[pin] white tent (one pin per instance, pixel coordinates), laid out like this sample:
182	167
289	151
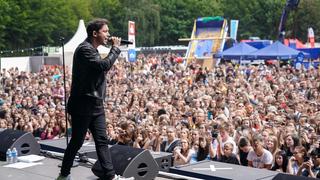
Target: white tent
78	37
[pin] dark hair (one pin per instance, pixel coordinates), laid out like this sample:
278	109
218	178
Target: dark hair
284	161
161	111
202	152
243	142
315	152
95	25
295	138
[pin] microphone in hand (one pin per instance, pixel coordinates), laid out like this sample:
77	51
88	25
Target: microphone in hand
123	42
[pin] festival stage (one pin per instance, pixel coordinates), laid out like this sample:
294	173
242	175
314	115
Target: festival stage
47	170
223	171
157	166
163	159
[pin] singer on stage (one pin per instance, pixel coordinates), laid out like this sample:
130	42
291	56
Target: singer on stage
85	104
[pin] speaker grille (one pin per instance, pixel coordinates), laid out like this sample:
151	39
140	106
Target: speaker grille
24	142
130	162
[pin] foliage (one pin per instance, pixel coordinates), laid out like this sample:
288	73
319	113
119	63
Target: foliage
32	23
307	15
177	17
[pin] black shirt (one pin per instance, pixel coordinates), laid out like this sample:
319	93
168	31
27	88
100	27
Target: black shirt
231	160
243	157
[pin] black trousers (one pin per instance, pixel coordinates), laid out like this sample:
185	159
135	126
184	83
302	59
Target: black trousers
97	126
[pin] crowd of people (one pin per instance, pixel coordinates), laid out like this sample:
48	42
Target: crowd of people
264	116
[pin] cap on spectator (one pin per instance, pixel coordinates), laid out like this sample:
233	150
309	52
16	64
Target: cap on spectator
1	101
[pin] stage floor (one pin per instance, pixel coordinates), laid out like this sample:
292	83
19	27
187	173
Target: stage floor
48	170
222	171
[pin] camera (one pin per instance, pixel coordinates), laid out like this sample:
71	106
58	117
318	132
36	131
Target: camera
214	133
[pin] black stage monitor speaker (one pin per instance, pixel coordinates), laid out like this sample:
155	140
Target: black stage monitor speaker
163	159
24	142
130	162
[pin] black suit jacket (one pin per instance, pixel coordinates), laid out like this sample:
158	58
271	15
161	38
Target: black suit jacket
88	79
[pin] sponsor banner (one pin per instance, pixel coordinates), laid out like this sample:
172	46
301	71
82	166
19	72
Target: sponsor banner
311	37
132	34
234	29
132	55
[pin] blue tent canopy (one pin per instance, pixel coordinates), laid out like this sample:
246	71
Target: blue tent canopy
259	44
239	51
276	50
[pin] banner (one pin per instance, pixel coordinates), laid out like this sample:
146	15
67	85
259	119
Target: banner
132	38
299	61
311	37
132	55
234	29
132	34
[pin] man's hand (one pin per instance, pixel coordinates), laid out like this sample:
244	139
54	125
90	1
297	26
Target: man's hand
115	41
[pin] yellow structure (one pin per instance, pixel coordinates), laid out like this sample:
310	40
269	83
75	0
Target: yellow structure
207	38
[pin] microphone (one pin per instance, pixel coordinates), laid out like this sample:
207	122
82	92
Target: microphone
123	42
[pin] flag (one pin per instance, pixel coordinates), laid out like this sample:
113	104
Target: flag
311	37
234	29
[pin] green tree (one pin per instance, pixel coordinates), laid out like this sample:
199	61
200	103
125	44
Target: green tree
177	17
36	22
61	17
307	16
146	16
256	18
144	13
4	20
32	23
109	9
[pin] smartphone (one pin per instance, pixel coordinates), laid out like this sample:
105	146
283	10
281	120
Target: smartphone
194	119
210	115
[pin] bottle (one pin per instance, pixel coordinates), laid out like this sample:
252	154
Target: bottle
9	156
14	154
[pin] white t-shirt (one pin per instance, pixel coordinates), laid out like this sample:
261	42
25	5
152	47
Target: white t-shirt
259	162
